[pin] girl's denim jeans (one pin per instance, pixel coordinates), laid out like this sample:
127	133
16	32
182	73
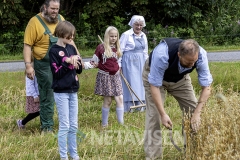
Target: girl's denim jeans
67	107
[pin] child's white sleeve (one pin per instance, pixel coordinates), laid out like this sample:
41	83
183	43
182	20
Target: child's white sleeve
31	89
95	59
88	65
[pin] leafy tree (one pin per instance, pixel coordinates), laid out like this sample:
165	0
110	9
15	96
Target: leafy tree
10	12
213	22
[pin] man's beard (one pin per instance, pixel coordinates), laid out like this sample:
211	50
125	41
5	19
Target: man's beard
48	18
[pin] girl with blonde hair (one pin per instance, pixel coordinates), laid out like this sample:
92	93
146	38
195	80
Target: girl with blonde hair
108	80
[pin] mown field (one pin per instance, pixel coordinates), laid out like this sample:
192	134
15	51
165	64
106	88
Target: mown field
218	137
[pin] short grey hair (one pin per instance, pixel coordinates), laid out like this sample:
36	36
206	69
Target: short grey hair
137	18
188	47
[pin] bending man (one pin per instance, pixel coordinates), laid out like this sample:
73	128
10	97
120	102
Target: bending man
167	69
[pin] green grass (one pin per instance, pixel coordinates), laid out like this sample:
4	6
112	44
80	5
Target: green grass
221	48
225	75
19	56
89	53
7	58
115	142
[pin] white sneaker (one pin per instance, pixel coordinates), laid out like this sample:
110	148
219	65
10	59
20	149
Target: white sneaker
104	126
76	158
19	124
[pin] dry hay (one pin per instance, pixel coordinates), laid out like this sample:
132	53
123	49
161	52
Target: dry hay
218	137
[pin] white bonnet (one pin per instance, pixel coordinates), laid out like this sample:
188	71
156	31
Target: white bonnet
137	18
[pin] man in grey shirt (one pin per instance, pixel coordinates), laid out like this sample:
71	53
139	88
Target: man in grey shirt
167	69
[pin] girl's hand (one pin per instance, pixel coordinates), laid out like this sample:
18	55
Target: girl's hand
95	65
74	60
36	99
78	64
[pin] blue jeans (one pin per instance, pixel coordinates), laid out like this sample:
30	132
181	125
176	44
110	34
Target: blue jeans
67	106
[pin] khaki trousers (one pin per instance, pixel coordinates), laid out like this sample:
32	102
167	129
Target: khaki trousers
182	91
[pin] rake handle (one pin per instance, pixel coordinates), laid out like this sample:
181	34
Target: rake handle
128	85
100	38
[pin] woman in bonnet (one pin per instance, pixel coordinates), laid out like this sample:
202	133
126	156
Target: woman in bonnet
134	45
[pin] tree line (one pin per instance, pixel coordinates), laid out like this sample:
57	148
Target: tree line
214	22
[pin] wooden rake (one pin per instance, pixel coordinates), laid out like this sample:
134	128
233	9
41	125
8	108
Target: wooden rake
130	90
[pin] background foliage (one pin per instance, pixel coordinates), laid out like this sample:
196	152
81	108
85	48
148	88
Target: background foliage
214	22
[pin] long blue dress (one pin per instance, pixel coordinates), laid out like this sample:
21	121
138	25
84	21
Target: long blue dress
132	68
